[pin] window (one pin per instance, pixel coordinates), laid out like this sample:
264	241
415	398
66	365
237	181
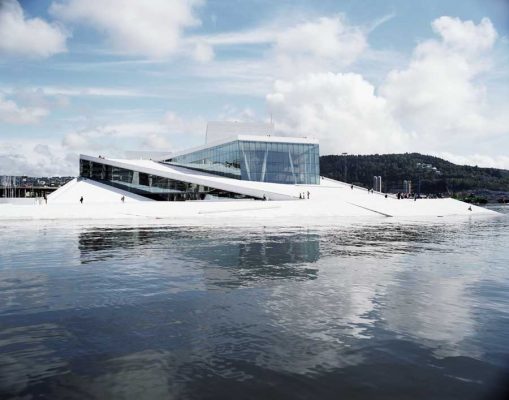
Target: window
257	161
147	185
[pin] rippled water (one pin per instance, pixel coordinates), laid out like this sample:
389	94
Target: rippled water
373	310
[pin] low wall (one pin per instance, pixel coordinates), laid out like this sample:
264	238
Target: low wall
22	200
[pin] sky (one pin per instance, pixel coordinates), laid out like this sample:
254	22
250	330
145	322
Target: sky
362	76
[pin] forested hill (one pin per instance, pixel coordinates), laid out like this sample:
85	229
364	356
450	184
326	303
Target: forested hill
436	175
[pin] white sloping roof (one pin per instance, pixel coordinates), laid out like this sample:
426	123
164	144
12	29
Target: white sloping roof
273	191
92	192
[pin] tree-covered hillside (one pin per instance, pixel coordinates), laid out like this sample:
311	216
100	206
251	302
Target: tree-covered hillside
435	174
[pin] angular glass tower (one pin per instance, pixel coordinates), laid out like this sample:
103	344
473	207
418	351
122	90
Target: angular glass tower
257	158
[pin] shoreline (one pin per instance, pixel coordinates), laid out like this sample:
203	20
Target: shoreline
255	212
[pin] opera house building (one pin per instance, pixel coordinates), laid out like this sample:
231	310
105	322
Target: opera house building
224	180
238	166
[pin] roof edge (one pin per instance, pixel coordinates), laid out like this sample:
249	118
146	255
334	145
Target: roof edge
251	138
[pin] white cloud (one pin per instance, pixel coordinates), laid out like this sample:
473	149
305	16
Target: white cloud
233	113
80	91
235	77
324	37
436	104
260	35
289	48
175	125
30	37
110	137
439	95
482	160
465	36
155	141
203	52
342	110
321	45
35	159
92	91
151	28
12	113
169	133
327	38
38	98
313	45
76	141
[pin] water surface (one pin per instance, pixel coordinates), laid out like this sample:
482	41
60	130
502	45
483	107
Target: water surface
388	310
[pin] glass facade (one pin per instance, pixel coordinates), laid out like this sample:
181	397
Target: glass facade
291	163
148	185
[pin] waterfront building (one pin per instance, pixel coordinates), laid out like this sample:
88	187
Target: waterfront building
224	180
222	168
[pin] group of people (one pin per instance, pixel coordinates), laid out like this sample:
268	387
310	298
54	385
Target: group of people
303	195
417	196
414	196
404	195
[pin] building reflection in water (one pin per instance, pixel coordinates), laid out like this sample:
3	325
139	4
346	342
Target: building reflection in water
401	279
225	259
160	308
358	270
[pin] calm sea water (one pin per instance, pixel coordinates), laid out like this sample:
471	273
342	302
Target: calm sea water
391	310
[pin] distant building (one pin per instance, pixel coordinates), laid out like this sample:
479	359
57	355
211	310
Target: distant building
407	186
377	183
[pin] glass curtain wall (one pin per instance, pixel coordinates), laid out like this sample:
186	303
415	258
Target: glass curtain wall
151	186
223	160
290	163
